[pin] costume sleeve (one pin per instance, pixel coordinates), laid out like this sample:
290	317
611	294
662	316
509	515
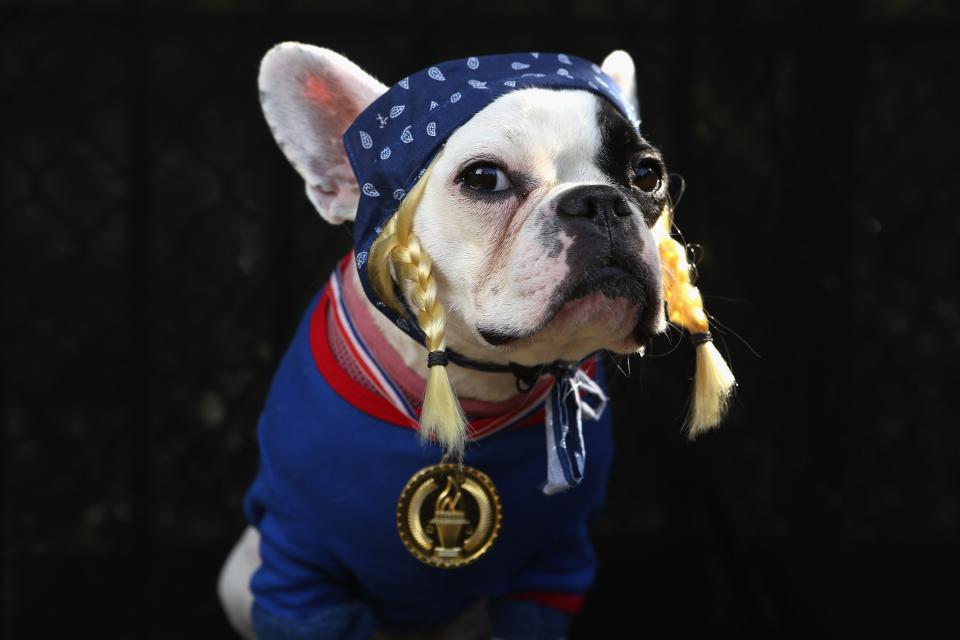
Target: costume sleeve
299	591
544	595
522	620
347	621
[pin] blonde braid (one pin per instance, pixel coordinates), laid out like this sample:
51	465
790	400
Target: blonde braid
397	254
713	380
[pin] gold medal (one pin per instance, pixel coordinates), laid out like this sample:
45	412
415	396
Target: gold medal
449	515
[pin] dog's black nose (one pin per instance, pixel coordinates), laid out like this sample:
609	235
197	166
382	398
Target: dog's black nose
601	202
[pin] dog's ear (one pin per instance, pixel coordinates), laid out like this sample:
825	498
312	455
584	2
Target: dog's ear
310	96
619	66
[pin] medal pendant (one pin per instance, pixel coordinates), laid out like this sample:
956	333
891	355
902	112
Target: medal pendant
449	515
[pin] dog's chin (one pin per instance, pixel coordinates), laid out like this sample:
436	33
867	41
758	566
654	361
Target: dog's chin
616	321
608	307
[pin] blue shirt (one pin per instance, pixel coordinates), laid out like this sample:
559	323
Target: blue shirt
325	499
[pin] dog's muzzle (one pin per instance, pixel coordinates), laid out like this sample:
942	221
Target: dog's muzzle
613	252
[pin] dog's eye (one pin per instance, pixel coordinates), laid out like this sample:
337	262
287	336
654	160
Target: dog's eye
485	177
646	175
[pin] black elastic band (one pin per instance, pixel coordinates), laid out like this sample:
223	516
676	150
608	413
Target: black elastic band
696	339
437	358
526	375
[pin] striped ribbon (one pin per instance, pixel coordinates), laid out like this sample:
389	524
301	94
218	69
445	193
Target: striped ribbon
565	410
564	407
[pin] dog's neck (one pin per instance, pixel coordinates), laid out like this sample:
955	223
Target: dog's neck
407	360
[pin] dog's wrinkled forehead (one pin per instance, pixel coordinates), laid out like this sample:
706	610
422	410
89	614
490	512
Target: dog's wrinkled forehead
531	128
393	140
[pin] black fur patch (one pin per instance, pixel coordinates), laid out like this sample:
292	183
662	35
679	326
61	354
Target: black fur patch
620	150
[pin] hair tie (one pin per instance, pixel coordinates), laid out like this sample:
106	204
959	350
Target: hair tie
437	358
696	339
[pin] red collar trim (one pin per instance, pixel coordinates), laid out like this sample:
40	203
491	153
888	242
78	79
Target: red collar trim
372	403
365	400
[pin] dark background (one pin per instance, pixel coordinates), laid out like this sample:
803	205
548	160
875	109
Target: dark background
156	252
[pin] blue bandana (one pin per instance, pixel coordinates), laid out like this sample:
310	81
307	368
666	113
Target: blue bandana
390	145
392	141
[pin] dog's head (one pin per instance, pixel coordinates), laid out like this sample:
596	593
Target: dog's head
537	213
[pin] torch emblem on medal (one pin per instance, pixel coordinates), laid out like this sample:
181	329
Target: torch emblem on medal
448	521
449	515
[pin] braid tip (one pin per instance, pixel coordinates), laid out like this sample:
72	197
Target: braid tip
713	386
441	417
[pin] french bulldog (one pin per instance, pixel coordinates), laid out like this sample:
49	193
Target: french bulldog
537	217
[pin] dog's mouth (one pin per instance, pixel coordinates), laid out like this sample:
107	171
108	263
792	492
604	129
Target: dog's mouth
610	279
